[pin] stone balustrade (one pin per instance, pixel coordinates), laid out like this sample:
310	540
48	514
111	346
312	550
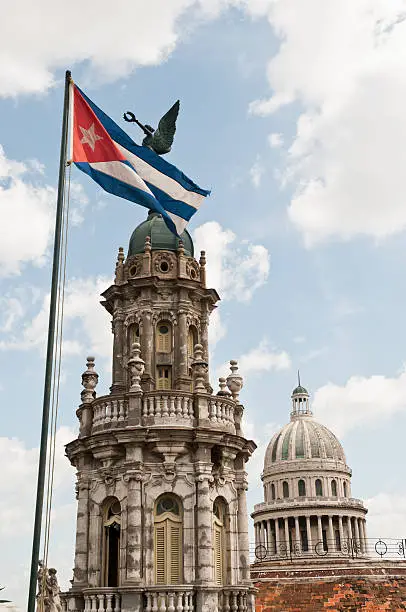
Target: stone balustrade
158	406
309	501
100	600
171	599
233	601
221	410
109	412
164	408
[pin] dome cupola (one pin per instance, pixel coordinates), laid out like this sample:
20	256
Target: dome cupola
161	238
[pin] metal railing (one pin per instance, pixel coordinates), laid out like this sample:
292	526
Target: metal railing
351	548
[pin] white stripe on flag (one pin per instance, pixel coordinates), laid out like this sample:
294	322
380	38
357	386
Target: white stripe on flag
180	223
162	181
122	172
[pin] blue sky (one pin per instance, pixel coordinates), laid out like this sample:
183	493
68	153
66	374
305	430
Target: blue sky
293	117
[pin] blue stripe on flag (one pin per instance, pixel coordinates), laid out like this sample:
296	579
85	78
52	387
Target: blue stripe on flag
128	192
146	154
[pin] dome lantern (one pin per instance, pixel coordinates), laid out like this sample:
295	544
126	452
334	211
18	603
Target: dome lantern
300	401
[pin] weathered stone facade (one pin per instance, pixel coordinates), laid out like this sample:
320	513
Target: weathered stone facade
161	486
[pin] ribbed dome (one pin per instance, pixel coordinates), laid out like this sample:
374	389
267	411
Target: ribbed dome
162	239
303	438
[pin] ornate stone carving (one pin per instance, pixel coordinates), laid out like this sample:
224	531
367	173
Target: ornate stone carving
199	368
48	599
164	263
234	380
89	382
193	269
136	367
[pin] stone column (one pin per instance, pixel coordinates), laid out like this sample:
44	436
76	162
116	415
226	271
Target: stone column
118	383
270	542
331	544
204	569
204	337
134	565
147	350
341	530
357	540
364	533
309	534
277	538
349	528
242	525
286	523
182	374
297	532
82	534
320	531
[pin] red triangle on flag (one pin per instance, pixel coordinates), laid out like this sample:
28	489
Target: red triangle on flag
90	141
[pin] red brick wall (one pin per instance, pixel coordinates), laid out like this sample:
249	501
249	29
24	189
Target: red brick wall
341	594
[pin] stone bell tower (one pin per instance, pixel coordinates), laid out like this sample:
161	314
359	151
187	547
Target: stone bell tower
161	487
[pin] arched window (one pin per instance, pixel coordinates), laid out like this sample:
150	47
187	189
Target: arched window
133	335
111	542
191	340
302	488
285	489
345	489
319	488
164	337
273	491
163	378
219	540
168	540
333	488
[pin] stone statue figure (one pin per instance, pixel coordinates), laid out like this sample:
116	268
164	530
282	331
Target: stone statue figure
161	139
48	599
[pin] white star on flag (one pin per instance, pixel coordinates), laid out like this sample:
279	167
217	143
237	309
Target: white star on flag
89	136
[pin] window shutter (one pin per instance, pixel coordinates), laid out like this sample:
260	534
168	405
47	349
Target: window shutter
160	554
218	555
175	555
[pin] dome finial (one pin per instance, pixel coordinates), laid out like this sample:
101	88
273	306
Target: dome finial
298	378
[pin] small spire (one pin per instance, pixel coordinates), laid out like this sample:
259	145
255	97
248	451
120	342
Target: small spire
147	247
298	378
119	265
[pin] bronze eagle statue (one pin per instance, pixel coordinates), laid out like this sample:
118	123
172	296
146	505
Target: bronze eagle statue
161	139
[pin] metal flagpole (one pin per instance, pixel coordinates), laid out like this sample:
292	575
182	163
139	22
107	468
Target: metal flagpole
50	352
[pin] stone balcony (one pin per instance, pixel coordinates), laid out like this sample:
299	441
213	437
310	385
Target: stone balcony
160	409
308	502
180	598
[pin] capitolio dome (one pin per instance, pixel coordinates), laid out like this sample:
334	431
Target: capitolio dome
303	438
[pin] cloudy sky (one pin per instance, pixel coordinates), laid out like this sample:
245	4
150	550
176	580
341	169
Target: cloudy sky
293	114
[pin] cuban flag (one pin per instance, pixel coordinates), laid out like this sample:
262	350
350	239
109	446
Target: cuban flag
101	149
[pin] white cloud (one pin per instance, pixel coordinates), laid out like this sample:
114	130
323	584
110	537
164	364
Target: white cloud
257	360
82	305
256	172
235	268
386	516
17	513
361	401
28	61
348	157
275	140
26	216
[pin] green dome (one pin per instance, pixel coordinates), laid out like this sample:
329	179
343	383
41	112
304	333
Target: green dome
161	237
300	391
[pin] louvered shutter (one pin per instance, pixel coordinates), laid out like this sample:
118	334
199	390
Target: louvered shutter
175	554
160	556
218	554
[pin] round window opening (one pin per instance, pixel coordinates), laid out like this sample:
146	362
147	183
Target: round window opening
193	273
167	504
163	329
133	270
115	508
164	266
